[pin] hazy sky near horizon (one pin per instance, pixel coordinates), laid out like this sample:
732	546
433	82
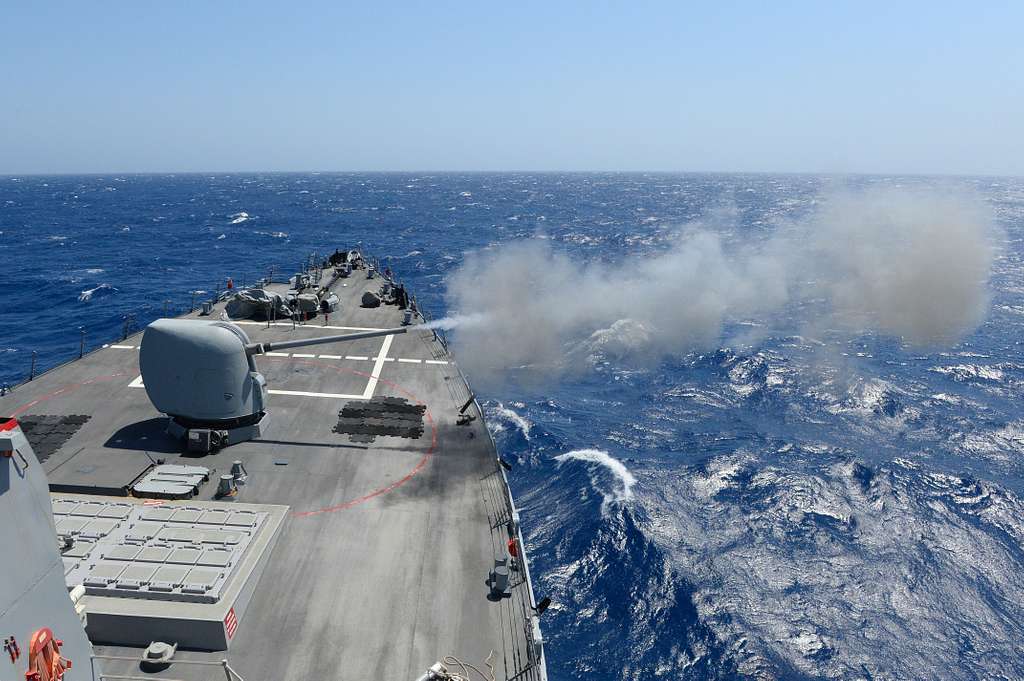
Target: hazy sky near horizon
840	87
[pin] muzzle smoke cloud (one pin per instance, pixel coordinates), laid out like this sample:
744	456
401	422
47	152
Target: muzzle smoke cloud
911	264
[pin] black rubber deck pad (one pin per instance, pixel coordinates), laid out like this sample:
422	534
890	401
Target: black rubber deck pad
47	434
394	416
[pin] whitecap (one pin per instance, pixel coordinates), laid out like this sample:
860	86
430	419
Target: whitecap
239	218
511	416
222	236
622	489
101	290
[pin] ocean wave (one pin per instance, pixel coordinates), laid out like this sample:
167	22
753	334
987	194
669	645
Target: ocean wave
100	291
623	481
238	218
908	553
514	418
970	372
274	235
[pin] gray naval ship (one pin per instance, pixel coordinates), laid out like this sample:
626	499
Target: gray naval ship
293	481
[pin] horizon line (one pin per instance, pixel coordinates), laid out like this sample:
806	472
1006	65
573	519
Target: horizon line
798	173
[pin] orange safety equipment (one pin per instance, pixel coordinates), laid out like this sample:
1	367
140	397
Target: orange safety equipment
44	660
513	547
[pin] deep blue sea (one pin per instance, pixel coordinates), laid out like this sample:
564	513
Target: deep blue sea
741	511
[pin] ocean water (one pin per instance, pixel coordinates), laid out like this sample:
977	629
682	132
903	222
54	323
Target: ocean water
747	511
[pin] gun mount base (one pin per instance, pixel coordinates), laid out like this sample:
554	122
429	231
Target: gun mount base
211	438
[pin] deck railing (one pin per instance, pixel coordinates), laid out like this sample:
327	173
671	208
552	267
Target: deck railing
130	321
537	666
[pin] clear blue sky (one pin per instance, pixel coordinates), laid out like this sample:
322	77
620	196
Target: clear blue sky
891	87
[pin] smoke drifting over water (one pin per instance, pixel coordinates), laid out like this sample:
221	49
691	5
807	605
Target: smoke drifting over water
911	264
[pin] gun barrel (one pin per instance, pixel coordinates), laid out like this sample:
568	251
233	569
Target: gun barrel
260	348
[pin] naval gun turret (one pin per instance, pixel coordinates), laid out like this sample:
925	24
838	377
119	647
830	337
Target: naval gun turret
202	374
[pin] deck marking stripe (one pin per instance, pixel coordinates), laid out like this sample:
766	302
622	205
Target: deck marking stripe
300	354
409	361
435	361
61	391
303	393
277	354
310	326
123	347
328	356
382	356
137	383
362	359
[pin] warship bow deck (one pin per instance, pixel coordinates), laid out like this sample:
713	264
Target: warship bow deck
378	548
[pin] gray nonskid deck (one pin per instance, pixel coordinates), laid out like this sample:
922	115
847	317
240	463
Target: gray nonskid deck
379	569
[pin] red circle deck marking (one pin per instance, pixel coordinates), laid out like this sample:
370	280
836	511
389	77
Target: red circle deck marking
63	390
397	483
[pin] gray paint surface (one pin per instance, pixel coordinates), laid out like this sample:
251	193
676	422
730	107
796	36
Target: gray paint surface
380	569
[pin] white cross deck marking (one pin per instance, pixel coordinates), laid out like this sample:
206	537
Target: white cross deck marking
303	393
371	385
310	326
137	383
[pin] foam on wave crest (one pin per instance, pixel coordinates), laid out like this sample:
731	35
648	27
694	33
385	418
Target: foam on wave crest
97	292
514	418
623	481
